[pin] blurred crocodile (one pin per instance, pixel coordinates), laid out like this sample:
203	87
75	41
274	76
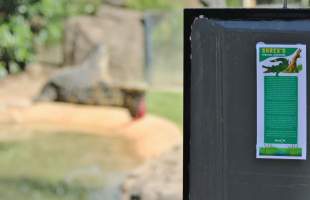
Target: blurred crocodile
282	66
91	84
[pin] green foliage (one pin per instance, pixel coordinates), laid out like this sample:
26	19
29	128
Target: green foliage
15	41
166	104
74	7
26	23
154	4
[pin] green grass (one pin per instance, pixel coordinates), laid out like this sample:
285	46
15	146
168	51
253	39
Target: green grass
166	104
274	151
62	166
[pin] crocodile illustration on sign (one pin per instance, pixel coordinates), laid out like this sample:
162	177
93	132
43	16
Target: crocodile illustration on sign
284	65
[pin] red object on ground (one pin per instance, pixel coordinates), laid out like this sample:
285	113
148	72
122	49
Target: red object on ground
141	109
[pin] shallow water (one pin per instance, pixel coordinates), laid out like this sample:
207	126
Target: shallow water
62	165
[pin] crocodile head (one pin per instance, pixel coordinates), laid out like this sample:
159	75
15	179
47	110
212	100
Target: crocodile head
298	53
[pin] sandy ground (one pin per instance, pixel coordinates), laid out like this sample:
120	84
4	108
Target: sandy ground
150	136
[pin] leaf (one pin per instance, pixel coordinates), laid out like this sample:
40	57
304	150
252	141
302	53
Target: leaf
299	68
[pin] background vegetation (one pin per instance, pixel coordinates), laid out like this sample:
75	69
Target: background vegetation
167	104
27	23
154	4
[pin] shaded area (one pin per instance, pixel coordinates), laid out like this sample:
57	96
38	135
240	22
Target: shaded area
62	165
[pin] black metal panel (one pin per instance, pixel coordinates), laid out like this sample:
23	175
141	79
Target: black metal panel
220	105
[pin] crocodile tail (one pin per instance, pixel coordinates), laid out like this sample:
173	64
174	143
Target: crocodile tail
48	93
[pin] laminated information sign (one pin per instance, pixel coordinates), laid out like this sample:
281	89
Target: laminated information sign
281	101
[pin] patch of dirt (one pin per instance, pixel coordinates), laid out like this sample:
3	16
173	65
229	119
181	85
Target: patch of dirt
151	135
157	179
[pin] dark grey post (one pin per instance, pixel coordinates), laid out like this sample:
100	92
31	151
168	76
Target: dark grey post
284	4
220	105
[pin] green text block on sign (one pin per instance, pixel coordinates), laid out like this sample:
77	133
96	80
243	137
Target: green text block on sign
281	109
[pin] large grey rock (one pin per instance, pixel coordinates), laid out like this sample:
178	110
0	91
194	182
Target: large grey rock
160	179
120	30
91	83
